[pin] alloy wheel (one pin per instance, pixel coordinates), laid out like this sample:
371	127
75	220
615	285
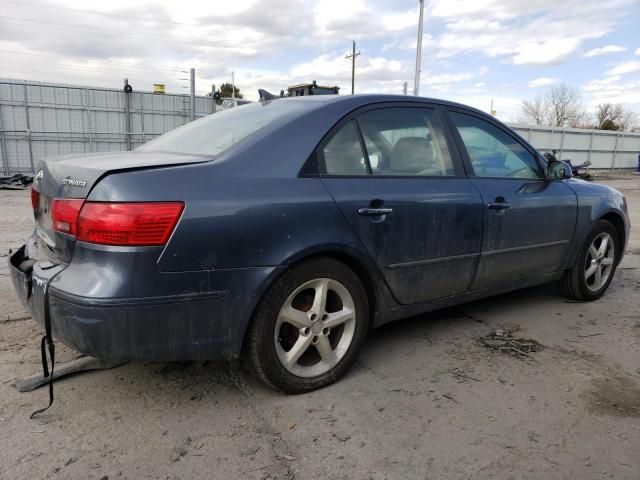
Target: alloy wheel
315	327
599	262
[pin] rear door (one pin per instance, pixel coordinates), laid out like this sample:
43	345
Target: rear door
528	221
401	187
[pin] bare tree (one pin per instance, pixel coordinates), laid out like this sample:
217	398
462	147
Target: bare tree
560	106
628	121
581	120
565	105
615	117
535	110
608	115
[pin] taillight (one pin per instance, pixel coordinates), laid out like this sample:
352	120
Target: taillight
125	224
35	198
64	214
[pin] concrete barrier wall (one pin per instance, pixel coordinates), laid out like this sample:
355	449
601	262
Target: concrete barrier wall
605	149
39	119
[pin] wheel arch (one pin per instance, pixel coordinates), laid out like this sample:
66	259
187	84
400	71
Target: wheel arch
618	223
376	290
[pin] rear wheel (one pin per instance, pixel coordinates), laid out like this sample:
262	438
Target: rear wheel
595	264
309	326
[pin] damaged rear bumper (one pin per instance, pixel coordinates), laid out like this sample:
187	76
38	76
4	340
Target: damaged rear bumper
205	325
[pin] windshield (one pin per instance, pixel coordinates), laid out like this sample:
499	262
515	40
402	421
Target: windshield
218	132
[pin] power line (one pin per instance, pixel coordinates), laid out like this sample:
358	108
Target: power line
167	69
19	66
97	69
78	28
114	15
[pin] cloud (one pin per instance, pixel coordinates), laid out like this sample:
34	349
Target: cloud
624	68
508	108
443	82
548	52
613	90
598	52
358	19
338	69
544	32
446	78
280	17
542	82
274	43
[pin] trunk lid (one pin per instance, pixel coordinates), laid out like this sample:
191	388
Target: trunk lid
74	176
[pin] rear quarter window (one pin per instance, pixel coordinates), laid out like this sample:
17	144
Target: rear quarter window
220	131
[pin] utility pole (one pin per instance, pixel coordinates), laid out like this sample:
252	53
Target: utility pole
127	114
193	93
353	66
404	88
416	85
233	85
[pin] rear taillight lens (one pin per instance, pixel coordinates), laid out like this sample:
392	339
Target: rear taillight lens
35	198
64	214
125	224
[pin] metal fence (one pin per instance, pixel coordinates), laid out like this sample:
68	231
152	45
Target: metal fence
39	119
605	149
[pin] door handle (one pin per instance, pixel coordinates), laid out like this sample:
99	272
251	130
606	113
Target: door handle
498	205
374	212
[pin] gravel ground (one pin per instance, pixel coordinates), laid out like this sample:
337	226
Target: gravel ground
425	400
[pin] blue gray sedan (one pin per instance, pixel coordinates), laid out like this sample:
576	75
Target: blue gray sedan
286	230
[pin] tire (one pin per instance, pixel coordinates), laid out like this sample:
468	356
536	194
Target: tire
576	283
290	319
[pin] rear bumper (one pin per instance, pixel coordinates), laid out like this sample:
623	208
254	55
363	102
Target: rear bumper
205	325
180	327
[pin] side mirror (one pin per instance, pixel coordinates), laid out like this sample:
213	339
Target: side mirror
558	170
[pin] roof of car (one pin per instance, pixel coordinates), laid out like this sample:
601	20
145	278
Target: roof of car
369	97
366	98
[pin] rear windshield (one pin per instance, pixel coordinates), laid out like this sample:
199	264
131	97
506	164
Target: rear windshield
218	132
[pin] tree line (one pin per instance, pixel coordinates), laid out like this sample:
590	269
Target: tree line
561	106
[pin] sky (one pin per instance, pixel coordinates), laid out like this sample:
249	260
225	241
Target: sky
474	51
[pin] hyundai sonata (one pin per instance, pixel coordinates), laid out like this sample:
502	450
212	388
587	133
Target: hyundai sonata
287	229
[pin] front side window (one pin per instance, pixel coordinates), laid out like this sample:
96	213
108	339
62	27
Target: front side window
493	152
343	153
405	141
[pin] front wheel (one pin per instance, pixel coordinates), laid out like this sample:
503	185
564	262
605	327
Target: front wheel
309	326
595	264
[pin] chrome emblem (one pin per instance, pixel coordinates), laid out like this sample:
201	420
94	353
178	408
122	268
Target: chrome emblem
39	175
74	183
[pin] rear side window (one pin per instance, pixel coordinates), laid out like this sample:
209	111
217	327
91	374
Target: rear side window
220	131
405	141
493	152
343	153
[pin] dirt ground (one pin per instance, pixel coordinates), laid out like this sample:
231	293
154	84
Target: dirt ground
426	400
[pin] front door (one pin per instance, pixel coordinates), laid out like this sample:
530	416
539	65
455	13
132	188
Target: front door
393	177
528	221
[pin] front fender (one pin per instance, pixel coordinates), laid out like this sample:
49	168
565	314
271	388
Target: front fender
596	201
